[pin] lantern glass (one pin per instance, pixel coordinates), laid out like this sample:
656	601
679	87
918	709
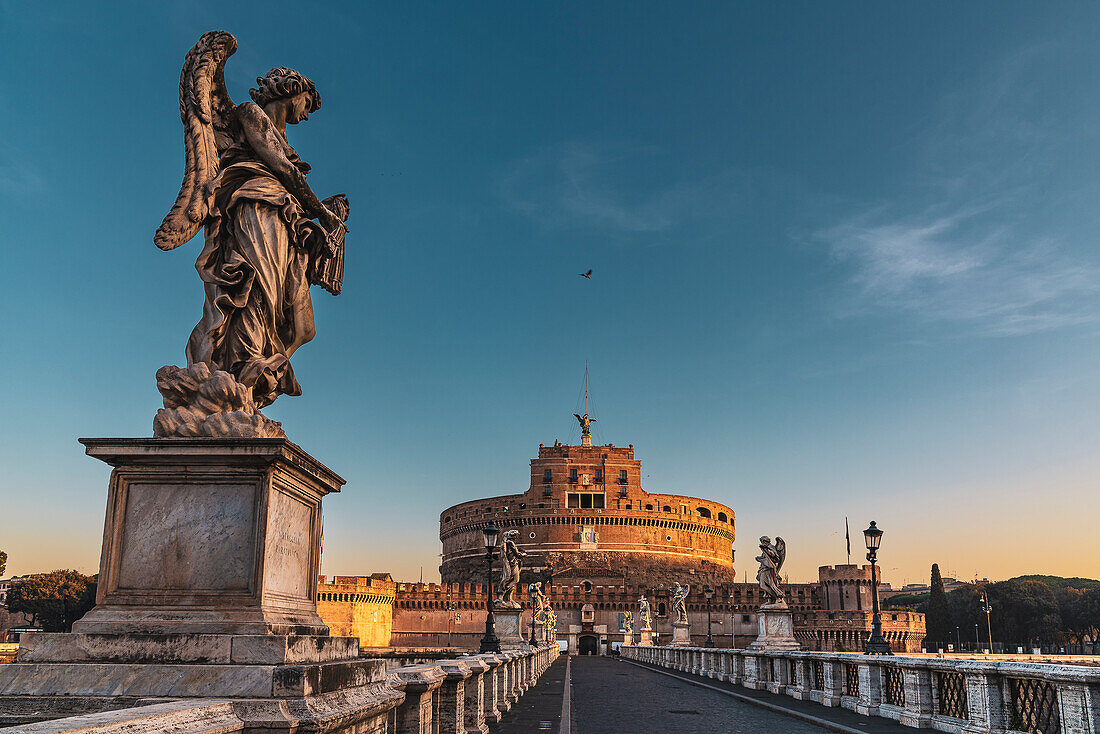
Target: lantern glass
708	592
491	534
873	536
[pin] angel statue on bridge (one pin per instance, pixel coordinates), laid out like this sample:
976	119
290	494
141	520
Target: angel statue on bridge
771	560
645	622
538	602
268	237
679	608
510	554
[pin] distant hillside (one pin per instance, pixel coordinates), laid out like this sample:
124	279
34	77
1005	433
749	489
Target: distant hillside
917	601
1060	582
1057	583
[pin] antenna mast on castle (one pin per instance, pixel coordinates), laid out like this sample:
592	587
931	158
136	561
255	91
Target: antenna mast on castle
584	420
586	387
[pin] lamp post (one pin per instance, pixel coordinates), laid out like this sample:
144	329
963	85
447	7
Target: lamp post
958	639
531	594
977	642
987	608
450	615
490	643
709	594
877	645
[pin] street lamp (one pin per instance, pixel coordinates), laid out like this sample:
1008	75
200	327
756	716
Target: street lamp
709	594
450	615
987	608
958	639
490	643
531	594
877	645
977	642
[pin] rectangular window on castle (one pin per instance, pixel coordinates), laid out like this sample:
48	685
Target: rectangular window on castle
546	475
573	476
597	501
599	476
622	476
573	499
586	501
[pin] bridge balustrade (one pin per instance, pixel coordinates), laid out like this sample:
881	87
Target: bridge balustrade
459	696
941	693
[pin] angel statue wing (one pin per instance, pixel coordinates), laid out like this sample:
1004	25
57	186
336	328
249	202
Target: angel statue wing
205	109
781	552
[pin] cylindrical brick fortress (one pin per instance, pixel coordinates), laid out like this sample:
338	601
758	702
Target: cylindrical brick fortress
586	509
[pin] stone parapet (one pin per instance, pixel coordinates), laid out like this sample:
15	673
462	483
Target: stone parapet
947	694
456	696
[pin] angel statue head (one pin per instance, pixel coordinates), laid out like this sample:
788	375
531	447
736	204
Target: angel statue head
296	88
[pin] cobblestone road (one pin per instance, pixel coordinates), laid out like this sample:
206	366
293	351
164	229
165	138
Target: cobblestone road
610	696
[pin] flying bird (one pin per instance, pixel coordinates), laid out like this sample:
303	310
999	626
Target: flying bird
586	275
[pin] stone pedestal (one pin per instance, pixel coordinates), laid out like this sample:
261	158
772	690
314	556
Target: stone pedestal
628	638
681	635
776	628
645	638
509	628
207	589
209	536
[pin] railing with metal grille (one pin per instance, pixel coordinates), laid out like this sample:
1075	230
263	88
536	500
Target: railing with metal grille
1032	705
851	680
987	696
951	695
893	686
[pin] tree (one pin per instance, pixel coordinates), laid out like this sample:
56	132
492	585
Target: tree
1085	614
1023	612
3	562
937	619
53	600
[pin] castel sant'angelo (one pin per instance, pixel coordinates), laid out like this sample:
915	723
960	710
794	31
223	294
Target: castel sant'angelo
586	514
598	541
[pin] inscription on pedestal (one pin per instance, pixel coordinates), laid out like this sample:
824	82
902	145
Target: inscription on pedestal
289	534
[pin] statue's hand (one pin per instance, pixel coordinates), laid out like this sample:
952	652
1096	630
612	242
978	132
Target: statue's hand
339	205
330	221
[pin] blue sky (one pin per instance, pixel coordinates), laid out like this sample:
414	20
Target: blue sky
844	263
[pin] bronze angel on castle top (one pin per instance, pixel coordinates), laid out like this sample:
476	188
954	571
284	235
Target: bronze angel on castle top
268	237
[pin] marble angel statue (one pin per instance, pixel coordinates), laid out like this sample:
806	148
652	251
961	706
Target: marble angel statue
267	239
628	622
539	603
645	622
679	608
510	553
771	561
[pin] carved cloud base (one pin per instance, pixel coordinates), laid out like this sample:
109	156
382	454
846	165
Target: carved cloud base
201	402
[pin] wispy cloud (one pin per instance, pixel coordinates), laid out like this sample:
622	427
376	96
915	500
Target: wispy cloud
960	267
620	187
18	178
996	251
